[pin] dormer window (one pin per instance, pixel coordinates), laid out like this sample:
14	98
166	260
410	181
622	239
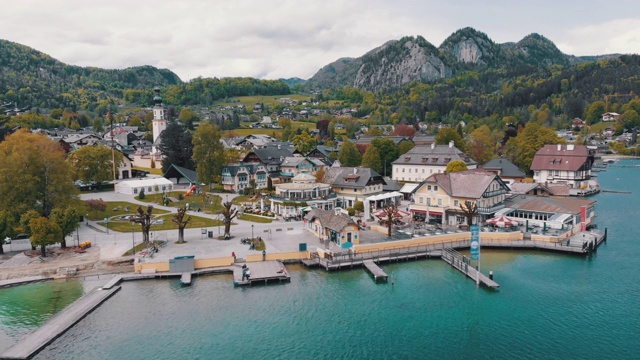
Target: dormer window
407	158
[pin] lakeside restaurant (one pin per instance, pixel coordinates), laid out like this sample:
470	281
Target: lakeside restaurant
302	194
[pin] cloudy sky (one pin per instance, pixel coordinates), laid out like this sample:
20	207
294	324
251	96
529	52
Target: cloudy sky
272	39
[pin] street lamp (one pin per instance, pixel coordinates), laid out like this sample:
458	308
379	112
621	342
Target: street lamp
133	242
251	231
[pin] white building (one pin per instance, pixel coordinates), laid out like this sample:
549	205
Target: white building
423	161
150	186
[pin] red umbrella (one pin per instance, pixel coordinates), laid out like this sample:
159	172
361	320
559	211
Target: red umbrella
502	221
397	214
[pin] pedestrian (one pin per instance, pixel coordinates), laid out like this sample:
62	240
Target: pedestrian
248	273
264	255
233	253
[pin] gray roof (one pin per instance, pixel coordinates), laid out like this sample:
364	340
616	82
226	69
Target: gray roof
433	155
465	184
330	219
391	185
357	178
569	205
506	168
272	155
367	139
233	168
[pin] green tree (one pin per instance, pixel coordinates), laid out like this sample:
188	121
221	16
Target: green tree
208	153
349	154
176	145
188	117
358	206
44	232
389	153
446	135
68	221
7	224
94	164
630	119
304	143
521	149
287	128
371	159
34	175
404	147
594	112
455	166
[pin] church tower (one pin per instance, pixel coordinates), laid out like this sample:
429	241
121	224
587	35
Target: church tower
159	121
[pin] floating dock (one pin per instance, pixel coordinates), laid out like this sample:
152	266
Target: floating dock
262	272
57	325
185	279
375	271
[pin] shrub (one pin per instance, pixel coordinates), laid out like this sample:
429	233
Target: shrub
351	211
142	195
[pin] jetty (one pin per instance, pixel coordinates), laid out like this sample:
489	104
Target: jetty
262	272
185	279
375	271
58	324
460	262
117	279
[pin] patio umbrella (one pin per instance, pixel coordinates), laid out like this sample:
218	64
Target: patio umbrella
397	214
502	221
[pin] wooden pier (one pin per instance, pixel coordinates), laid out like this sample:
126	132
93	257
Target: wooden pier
58	324
375	271
262	272
457	261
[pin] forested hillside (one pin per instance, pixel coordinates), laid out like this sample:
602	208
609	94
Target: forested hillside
32	78
36	80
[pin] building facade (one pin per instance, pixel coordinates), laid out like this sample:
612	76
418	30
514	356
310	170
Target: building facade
421	162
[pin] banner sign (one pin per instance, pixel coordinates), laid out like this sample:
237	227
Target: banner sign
474	247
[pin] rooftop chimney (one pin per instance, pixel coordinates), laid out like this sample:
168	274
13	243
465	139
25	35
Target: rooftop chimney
433	145
559	147
570	147
451	143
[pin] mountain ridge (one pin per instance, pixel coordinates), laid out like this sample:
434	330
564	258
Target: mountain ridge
397	62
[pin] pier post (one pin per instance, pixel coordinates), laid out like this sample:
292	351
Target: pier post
491	274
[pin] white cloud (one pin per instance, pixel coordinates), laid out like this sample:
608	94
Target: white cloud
282	38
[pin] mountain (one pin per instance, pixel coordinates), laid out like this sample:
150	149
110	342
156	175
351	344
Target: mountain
293	81
30	77
399	62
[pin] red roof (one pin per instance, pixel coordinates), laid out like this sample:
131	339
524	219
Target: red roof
560	157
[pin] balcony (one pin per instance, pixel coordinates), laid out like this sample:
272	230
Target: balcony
490	210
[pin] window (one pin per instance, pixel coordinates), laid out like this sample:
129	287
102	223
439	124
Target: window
456	203
423	171
135	190
409	171
421	199
402	169
439	202
430	171
435	187
428	201
429	187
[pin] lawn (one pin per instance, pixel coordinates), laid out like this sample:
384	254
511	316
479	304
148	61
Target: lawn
194	201
271	100
196	222
256	219
94	216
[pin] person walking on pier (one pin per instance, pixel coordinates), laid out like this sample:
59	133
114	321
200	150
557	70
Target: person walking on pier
233	253
264	255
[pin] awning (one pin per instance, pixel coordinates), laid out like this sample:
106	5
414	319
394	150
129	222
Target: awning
418	211
408	188
438	213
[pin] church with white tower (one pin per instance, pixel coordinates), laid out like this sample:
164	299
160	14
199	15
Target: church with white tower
159	121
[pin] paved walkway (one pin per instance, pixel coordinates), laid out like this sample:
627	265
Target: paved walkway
279	235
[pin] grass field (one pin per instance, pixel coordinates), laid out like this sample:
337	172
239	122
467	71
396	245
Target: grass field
246	130
194	201
271	100
156	171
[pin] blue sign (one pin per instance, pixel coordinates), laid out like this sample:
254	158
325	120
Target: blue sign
474	247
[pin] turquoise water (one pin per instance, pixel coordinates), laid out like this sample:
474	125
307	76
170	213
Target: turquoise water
549	306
